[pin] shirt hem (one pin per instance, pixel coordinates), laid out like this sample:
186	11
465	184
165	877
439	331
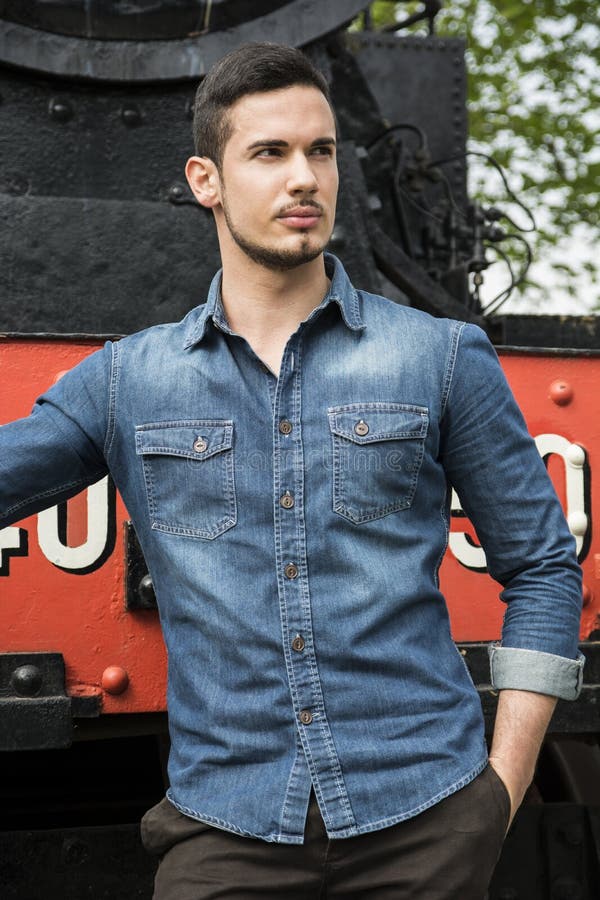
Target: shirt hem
224	825
401	817
351	831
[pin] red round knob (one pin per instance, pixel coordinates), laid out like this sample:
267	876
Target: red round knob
587	595
115	680
561	392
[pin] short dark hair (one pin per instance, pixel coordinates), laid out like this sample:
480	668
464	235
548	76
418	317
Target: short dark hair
250	69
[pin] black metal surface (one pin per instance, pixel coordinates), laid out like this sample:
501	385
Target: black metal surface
82	253
139	590
411	278
296	23
136	19
35	712
558	332
103	863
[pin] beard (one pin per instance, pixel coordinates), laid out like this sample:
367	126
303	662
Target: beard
276	259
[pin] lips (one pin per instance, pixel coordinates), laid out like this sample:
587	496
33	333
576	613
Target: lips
301	216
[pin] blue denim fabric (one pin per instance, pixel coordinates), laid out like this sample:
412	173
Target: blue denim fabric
388	407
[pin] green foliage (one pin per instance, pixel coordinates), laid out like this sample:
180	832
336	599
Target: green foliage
533	105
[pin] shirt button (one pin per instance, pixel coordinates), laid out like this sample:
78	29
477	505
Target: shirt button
285	426
291	571
361	428
306	716
286	500
200	445
298	643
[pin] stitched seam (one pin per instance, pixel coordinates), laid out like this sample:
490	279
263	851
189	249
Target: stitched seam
450	365
54	491
112	399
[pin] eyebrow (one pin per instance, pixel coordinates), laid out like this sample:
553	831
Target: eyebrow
272	142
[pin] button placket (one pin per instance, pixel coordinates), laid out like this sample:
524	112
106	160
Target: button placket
294	589
292	549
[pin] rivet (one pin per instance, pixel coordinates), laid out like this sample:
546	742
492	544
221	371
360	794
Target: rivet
586	594
131	115
561	392
74	852
146	591
115	680
576	456
578	523
26	680
61	110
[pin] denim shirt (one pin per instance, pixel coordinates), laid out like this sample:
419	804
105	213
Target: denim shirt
294	528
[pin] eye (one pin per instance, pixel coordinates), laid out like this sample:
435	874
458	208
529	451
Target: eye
266	152
325	150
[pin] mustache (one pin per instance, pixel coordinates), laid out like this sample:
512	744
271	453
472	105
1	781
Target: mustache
309	202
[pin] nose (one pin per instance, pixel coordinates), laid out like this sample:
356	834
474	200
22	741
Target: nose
301	177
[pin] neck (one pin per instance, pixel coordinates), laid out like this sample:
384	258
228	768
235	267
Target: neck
260	303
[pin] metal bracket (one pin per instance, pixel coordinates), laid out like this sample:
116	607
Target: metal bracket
139	590
35	711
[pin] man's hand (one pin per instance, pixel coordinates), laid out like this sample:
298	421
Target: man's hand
521	722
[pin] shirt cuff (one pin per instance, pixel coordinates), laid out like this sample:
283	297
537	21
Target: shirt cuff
534	670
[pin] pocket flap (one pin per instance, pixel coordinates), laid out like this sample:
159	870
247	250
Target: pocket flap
193	440
364	423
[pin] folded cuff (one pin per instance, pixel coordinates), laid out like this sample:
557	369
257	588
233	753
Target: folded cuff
534	670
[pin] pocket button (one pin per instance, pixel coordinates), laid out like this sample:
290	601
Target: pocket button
361	428
200	445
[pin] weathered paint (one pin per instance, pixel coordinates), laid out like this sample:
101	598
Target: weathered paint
71	599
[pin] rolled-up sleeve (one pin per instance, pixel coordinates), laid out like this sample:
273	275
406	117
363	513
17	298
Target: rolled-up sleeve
493	464
60	448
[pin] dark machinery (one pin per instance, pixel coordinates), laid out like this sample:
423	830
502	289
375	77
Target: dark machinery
101	236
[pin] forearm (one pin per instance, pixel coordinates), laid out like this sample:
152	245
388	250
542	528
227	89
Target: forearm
522	719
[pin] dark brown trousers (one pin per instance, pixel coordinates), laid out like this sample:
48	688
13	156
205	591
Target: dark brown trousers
447	852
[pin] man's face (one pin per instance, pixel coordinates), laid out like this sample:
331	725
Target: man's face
278	180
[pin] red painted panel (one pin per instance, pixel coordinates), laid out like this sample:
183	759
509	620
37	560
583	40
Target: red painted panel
83	616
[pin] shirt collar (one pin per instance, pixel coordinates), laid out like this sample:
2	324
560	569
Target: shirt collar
340	291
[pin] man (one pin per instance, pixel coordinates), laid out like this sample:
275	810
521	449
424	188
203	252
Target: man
286	454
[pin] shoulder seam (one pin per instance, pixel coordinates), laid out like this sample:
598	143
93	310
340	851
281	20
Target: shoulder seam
457	329
114	375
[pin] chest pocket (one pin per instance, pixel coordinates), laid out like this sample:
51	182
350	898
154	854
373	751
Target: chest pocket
377	454
189	476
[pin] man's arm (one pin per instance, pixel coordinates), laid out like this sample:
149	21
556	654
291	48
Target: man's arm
505	490
60	448
522	718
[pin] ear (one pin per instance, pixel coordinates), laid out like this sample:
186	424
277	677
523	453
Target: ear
203	179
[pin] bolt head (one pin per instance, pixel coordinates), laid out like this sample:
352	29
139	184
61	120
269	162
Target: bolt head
115	680
26	681
131	116
61	110
146	591
561	392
